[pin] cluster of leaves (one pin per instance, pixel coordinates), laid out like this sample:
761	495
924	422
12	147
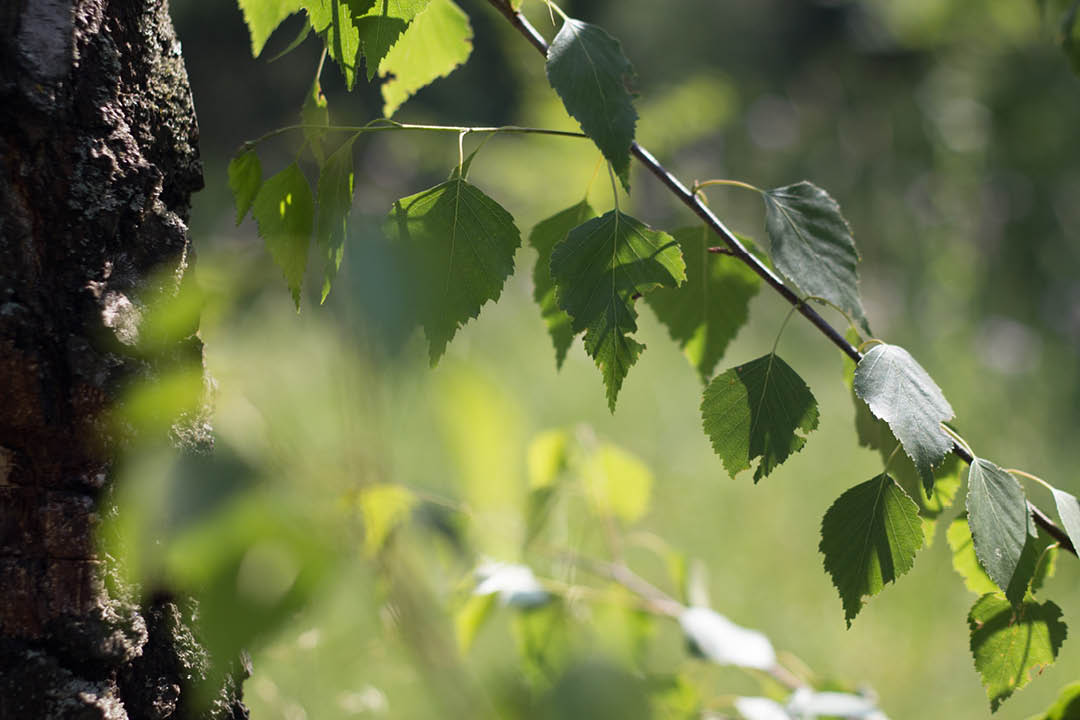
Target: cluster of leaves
591	270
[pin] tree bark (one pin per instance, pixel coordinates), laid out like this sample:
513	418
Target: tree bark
98	160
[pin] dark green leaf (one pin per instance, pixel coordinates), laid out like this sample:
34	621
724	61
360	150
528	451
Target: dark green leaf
435	42
1009	644
999	519
755	410
598	270
285	213
544	237
460	244
705	313
812	245
1069	510
245	177
1070	35
869	537
901	393
588	70
335	202
380	27
263	17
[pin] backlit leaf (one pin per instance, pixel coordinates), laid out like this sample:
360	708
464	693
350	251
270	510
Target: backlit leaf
869	538
756	410
999	519
964	561
617	484
245	177
437	40
380	27
263	17
598	270
335	202
544	237
383	508
901	393
1009	644
1036	563
285	213
333	20
546	457
460	244
315	117
588	70
704	314
812	246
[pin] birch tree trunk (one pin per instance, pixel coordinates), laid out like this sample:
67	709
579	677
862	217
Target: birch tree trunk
98	160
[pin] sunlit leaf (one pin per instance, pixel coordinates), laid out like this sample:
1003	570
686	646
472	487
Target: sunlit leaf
546	457
964	561
811	244
588	70
380	27
756	410
383	508
999	519
869	538
263	17
335	202
617	483
1035	565
725	643
315	117
470	617
598	270
285	213
460	244
1010	644
437	40
333	20
245	177
543	238
900	392
704	314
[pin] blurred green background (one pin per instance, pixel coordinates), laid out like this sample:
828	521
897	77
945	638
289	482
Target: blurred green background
946	132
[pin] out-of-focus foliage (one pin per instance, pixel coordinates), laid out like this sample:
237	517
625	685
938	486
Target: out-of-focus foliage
943	132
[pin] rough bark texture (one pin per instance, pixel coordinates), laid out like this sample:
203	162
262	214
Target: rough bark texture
98	160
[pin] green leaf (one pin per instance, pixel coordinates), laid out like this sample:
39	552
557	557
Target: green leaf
245	177
546	457
460	244
315	117
598	270
999	519
296	41
335	202
263	17
964	561
383	507
1070	35
617	484
1009	644
869	537
333	20
812	245
1066	707
901	393
436	41
470	617
544	237
755	410
1069	510
704	314
381	26
285	212
588	70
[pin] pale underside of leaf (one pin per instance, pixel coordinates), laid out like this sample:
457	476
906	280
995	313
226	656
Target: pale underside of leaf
900	392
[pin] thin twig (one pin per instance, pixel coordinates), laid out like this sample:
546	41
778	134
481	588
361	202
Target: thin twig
737	249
